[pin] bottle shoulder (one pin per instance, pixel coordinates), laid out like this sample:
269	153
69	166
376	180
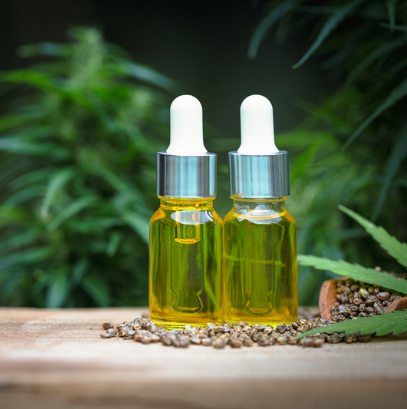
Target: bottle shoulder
159	214
216	218
229	215
290	217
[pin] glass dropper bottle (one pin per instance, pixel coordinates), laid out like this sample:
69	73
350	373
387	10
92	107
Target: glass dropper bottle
185	232
259	234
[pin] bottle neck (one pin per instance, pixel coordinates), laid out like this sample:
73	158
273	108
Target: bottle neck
259	206
176	203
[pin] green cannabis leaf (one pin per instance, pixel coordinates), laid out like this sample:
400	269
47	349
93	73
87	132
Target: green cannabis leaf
391	9
275	15
74	218
394	248
356	272
333	21
364	44
394	162
399	92
395	323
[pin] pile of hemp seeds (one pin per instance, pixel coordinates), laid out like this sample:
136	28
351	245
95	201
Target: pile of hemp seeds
235	335
354	299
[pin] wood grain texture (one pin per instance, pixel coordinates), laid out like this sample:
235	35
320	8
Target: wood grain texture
51	358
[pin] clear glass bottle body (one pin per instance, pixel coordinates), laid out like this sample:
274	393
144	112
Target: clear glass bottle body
185	263
260	263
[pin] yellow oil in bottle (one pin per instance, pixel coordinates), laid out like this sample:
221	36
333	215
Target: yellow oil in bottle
185	263
260	263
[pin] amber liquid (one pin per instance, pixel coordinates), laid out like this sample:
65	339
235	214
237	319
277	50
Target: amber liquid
260	263
185	263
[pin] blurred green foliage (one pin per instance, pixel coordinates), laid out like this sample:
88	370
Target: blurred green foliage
353	145
78	144
78	175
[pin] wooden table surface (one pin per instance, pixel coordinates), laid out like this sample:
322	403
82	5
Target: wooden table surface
56	359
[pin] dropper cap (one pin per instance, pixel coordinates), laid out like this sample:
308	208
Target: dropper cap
186	135
258	170
257	126
186	169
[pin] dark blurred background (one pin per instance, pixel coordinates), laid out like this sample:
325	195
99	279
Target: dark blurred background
201	44
81	123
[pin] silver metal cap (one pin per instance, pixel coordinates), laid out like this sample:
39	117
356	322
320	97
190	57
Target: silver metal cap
259	176
186	176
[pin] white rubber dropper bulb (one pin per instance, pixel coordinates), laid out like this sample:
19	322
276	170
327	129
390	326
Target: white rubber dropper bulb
257	127
186	136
